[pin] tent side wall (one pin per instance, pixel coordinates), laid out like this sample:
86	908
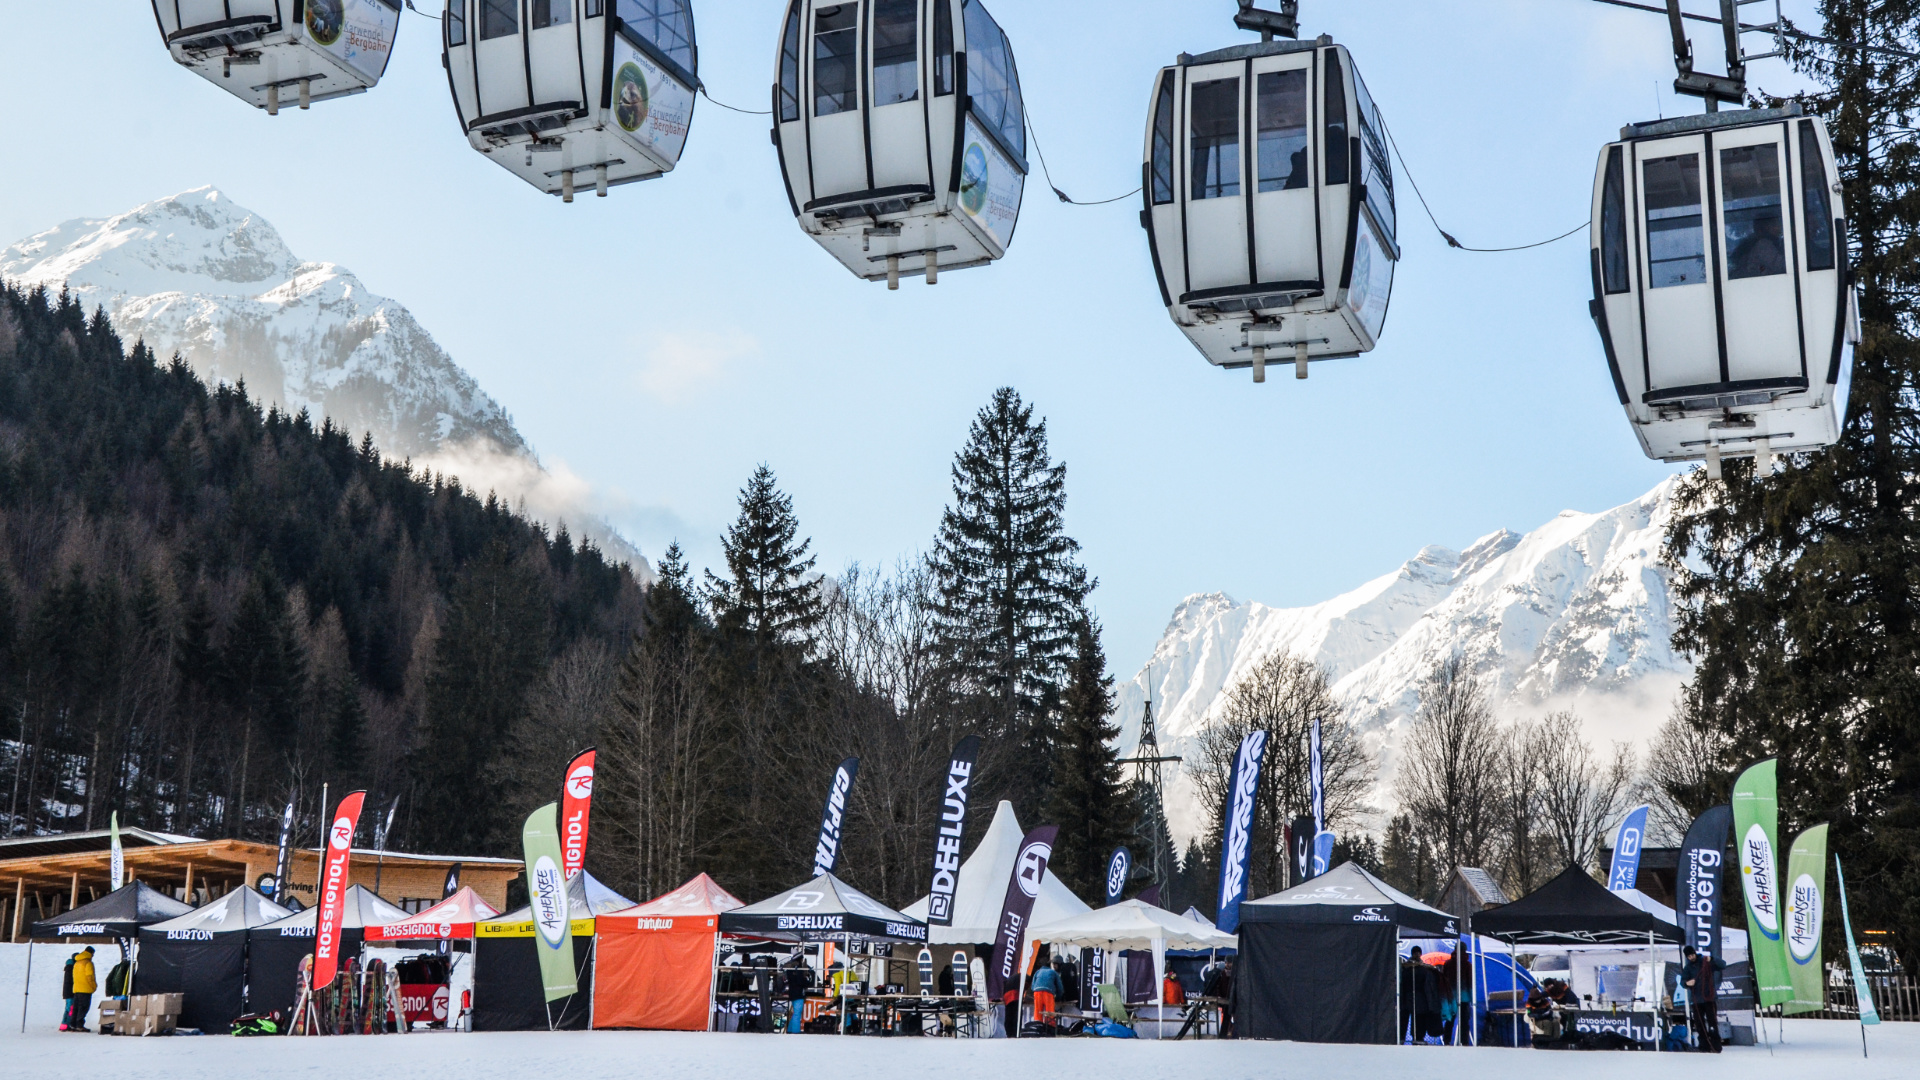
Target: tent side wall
273	965
507	989
657	981
1316	982
209	974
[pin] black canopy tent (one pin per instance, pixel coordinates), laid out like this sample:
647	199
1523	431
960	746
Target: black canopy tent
121	913
824	909
275	951
1573	909
1320	961
508	992
202	956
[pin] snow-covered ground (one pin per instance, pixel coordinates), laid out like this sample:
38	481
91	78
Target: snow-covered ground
1814	1050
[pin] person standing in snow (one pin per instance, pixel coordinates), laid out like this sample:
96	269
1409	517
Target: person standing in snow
1046	994
1701	976
80	985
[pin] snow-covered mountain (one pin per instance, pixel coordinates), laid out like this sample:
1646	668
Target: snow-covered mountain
1573	615
200	275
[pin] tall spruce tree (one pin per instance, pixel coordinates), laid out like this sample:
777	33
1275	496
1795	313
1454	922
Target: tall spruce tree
1010	589
1088	802
767	597
1803	614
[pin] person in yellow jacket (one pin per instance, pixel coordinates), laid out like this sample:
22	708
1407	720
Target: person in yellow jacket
80	1001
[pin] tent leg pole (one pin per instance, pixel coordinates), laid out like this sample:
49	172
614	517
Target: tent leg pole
26	989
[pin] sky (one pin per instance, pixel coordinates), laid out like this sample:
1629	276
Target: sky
662	342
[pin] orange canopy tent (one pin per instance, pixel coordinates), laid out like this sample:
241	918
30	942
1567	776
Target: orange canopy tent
654	966
450	918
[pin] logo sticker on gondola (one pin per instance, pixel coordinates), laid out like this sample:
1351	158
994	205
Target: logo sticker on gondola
325	20
973	179
631	102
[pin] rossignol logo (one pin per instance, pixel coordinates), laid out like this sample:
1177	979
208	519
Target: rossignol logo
1370	914
549	889
827	852
580	782
341	836
1246	781
1803	920
1033	867
1756	877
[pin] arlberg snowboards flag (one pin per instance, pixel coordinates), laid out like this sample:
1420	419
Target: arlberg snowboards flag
1119	870
826	853
1862	991
1023	886
1699	887
946	842
1316	782
280	864
118	861
1236	845
547	896
334	880
576	803
1756	828
1626	850
1805	911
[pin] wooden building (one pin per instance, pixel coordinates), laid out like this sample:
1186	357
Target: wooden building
1469	891
42	876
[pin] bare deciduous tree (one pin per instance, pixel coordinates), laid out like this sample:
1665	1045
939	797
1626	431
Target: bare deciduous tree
1579	793
1449	774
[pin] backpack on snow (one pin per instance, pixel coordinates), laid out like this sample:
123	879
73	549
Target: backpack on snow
257	1024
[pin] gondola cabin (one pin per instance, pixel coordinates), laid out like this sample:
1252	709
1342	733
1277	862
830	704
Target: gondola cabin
1720	286
1269	204
274	52
901	134
566	93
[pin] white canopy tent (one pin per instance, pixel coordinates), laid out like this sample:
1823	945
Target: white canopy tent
1133	924
982	888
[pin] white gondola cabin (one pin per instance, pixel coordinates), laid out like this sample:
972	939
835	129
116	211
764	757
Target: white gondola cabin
1720	284
270	52
574	92
1269	204
901	134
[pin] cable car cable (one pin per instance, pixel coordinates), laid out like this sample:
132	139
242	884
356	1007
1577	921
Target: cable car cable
1789	30
735	108
1048	173
1447	236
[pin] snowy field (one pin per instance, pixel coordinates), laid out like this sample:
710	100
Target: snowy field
1814	1050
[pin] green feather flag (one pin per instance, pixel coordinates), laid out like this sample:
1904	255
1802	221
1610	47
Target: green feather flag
551	909
1805	915
1756	832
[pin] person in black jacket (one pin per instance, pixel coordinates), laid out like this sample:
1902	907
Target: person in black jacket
1701	976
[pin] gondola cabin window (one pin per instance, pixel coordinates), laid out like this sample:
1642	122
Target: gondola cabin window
836	50
991	81
896	68
1216	139
1613	226
1283	130
1750	202
1676	243
942	47
1376	173
1333	107
552	13
1163	141
456	19
668	24
1813	183
790	65
498	18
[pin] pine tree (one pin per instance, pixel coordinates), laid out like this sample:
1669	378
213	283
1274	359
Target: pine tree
1088	802
1803	610
767	597
1010	588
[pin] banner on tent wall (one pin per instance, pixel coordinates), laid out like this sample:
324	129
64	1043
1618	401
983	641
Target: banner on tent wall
281	863
1702	856
1316	778
1322	852
118	860
547	899
1805	917
953	821
1756	828
1625	870
333	889
1119	870
826	853
576	802
1023	886
1301	839
1862	991
1236	846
